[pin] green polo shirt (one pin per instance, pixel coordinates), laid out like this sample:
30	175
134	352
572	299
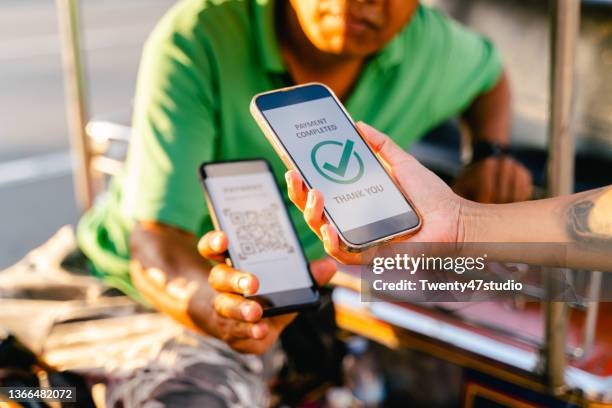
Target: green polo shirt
199	70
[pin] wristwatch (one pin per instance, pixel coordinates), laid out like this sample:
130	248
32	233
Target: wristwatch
483	149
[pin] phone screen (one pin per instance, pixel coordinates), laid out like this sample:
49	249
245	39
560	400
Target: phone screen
262	240
360	197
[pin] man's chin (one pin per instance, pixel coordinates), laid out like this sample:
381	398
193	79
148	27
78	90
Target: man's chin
350	46
357	49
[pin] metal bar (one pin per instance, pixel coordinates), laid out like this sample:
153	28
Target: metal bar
564	30
106	165
592	311
554	352
76	100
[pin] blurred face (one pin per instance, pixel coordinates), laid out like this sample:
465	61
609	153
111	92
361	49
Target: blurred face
355	28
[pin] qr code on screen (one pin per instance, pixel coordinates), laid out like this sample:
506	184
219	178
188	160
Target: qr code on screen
258	231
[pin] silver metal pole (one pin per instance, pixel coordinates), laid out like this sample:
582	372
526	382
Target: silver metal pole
76	100
564	31
590	326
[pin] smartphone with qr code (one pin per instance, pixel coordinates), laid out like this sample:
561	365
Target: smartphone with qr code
245	202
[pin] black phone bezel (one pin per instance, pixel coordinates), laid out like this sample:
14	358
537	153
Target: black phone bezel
275	303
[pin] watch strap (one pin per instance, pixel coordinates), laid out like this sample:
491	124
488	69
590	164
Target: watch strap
483	149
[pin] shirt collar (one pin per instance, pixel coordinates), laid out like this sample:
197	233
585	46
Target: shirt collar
269	50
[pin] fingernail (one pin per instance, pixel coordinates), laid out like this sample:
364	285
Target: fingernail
258	331
216	241
247	311
287	177
324	232
244	284
157	276
310	200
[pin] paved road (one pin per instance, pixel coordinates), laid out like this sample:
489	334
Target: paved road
35	181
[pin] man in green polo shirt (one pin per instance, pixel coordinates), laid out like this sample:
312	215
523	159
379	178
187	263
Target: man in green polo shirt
398	65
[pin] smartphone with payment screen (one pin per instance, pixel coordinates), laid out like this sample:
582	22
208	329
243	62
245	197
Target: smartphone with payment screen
312	133
245	202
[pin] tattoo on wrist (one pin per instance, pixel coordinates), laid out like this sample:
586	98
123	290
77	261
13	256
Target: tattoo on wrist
588	222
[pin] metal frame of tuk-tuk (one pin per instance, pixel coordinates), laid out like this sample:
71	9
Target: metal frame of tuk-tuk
90	162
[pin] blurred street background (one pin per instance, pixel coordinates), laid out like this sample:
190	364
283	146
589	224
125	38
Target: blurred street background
36	196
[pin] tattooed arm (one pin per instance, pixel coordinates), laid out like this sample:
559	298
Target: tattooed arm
583	222
580	223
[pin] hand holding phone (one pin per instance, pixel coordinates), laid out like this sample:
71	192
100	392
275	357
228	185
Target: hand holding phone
437	202
246	204
239	319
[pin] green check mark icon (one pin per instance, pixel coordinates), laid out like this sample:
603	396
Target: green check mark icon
338	172
340	169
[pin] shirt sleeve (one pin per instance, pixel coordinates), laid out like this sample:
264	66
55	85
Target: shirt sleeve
469	66
174	129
